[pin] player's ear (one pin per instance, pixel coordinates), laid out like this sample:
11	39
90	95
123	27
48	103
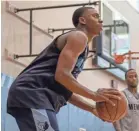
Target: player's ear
82	20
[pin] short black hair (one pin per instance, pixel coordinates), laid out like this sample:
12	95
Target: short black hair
127	72
78	13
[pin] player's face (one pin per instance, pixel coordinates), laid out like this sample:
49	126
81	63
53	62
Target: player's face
92	21
132	79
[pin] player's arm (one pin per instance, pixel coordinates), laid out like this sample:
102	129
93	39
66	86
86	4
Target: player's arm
83	104
75	45
117	126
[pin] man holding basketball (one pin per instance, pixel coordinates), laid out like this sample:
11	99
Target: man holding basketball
131	121
49	81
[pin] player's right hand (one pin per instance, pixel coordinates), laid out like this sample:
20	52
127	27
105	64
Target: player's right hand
104	95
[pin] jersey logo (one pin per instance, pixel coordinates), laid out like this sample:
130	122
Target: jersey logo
42	126
133	106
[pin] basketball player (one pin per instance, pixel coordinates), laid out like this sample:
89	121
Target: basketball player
131	121
49	81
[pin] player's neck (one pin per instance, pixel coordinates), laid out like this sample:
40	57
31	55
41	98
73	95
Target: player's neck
132	90
89	35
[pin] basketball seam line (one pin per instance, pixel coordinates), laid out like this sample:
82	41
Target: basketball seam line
116	109
107	110
123	113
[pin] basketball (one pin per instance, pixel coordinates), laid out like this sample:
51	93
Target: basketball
107	112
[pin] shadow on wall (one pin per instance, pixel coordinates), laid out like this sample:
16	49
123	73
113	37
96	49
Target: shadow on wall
70	118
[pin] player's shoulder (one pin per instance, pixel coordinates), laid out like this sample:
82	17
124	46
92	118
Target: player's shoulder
77	34
124	90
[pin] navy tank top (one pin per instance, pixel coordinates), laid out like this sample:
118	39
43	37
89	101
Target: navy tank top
35	86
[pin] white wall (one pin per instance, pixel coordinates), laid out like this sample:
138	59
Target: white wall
15	39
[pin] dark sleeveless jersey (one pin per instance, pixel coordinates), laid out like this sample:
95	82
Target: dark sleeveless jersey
36	87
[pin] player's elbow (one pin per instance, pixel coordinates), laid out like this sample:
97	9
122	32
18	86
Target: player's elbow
61	75
58	75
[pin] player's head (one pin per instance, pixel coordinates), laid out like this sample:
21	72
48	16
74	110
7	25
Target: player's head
88	18
131	78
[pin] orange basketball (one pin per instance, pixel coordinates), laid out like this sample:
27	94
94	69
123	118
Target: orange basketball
107	112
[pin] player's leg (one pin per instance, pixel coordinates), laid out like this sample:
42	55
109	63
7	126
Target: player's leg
36	120
45	120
